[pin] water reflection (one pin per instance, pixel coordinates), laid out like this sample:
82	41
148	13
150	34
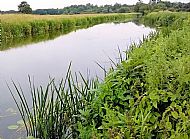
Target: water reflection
19	42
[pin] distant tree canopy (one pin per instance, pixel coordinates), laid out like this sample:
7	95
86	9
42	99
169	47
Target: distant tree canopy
24	7
118	8
140	7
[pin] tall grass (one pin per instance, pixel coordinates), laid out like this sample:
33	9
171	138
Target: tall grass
55	110
30	25
166	18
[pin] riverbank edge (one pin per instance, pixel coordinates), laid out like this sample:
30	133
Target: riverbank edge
146	96
23	29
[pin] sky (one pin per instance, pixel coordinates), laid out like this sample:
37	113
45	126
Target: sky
43	4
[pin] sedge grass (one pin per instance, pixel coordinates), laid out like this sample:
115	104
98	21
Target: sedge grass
56	108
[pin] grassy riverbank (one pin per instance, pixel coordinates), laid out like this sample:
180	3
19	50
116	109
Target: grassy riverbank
20	25
145	96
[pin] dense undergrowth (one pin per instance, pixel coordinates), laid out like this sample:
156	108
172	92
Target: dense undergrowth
146	96
20	26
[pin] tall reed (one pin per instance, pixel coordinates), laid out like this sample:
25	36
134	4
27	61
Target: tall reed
19	26
55	109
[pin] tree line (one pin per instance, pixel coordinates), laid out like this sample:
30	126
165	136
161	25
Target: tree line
141	7
117	8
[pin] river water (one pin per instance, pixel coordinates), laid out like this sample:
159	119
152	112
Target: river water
50	58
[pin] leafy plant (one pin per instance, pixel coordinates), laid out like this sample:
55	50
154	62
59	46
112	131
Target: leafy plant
147	95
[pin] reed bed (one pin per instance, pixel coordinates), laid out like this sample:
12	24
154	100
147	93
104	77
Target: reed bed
20	25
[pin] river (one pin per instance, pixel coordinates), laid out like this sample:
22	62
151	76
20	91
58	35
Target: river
51	58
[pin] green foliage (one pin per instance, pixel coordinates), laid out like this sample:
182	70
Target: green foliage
118	8
148	95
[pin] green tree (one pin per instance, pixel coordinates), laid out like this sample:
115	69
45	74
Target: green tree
25	8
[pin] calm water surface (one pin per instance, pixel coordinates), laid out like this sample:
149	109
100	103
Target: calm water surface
83	47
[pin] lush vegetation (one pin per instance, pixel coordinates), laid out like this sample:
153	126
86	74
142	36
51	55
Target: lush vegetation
147	95
20	25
